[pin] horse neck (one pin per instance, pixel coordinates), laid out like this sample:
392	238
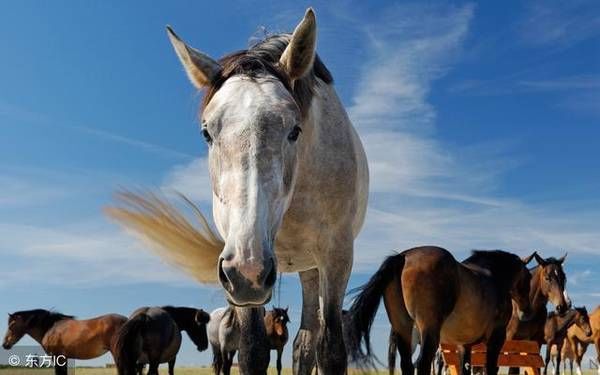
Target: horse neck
181	317
537	298
565	321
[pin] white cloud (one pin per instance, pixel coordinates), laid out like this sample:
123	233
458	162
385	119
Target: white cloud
191	179
88	255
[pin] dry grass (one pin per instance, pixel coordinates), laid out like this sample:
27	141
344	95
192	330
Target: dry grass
163	371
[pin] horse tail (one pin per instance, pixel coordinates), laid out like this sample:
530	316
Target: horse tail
125	349
194	249
392	350
365	305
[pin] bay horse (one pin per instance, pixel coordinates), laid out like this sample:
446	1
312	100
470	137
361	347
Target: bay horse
289	179
555	331
457	303
579	340
60	334
224	335
548	282
152	335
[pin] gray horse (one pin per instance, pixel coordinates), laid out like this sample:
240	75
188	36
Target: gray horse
289	180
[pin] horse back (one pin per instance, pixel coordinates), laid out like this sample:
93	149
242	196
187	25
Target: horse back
83	339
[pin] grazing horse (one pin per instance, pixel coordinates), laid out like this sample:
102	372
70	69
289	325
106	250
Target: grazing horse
64	335
224	335
289	183
555	331
579	340
457	303
153	335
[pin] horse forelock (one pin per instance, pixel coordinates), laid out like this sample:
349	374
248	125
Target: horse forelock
262	59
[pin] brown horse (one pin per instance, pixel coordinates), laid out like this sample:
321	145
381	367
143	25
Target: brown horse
276	321
458	303
566	354
153	335
64	335
548	282
555	330
579	340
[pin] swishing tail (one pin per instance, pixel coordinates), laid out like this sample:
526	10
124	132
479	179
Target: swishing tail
392	350
192	248
126	345
364	307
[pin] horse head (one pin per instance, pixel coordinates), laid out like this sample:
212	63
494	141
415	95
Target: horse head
552	282
254	121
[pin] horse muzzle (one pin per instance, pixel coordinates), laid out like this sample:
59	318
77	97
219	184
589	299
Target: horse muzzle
6	346
248	284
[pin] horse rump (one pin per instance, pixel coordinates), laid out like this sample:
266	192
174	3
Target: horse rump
127	345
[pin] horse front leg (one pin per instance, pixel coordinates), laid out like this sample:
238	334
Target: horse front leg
254	345
172	366
334	272
306	339
494	345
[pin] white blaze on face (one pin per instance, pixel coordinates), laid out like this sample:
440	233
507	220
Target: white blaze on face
249	120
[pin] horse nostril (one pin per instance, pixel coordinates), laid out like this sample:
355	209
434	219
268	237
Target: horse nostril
271	276
222	275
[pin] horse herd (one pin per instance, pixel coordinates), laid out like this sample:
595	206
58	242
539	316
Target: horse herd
290	184
151	335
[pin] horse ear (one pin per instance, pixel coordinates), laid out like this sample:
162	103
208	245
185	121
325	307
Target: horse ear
528	259
562	259
541	261
200	68
298	57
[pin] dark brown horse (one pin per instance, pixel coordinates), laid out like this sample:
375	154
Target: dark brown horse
276	321
153	335
555	330
579	340
457	303
63	335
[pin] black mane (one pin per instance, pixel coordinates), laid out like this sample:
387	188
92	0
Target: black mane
42	318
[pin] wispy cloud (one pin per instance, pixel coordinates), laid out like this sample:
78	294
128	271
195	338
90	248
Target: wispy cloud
80	256
22	115
560	23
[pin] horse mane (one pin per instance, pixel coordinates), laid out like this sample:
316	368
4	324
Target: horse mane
500	263
43	318
262	59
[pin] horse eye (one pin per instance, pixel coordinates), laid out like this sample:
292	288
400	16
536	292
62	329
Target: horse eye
206	136
293	136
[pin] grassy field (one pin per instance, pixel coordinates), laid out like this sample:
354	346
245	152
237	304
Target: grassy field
163	371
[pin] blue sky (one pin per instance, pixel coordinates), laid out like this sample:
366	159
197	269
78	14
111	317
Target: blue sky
480	121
